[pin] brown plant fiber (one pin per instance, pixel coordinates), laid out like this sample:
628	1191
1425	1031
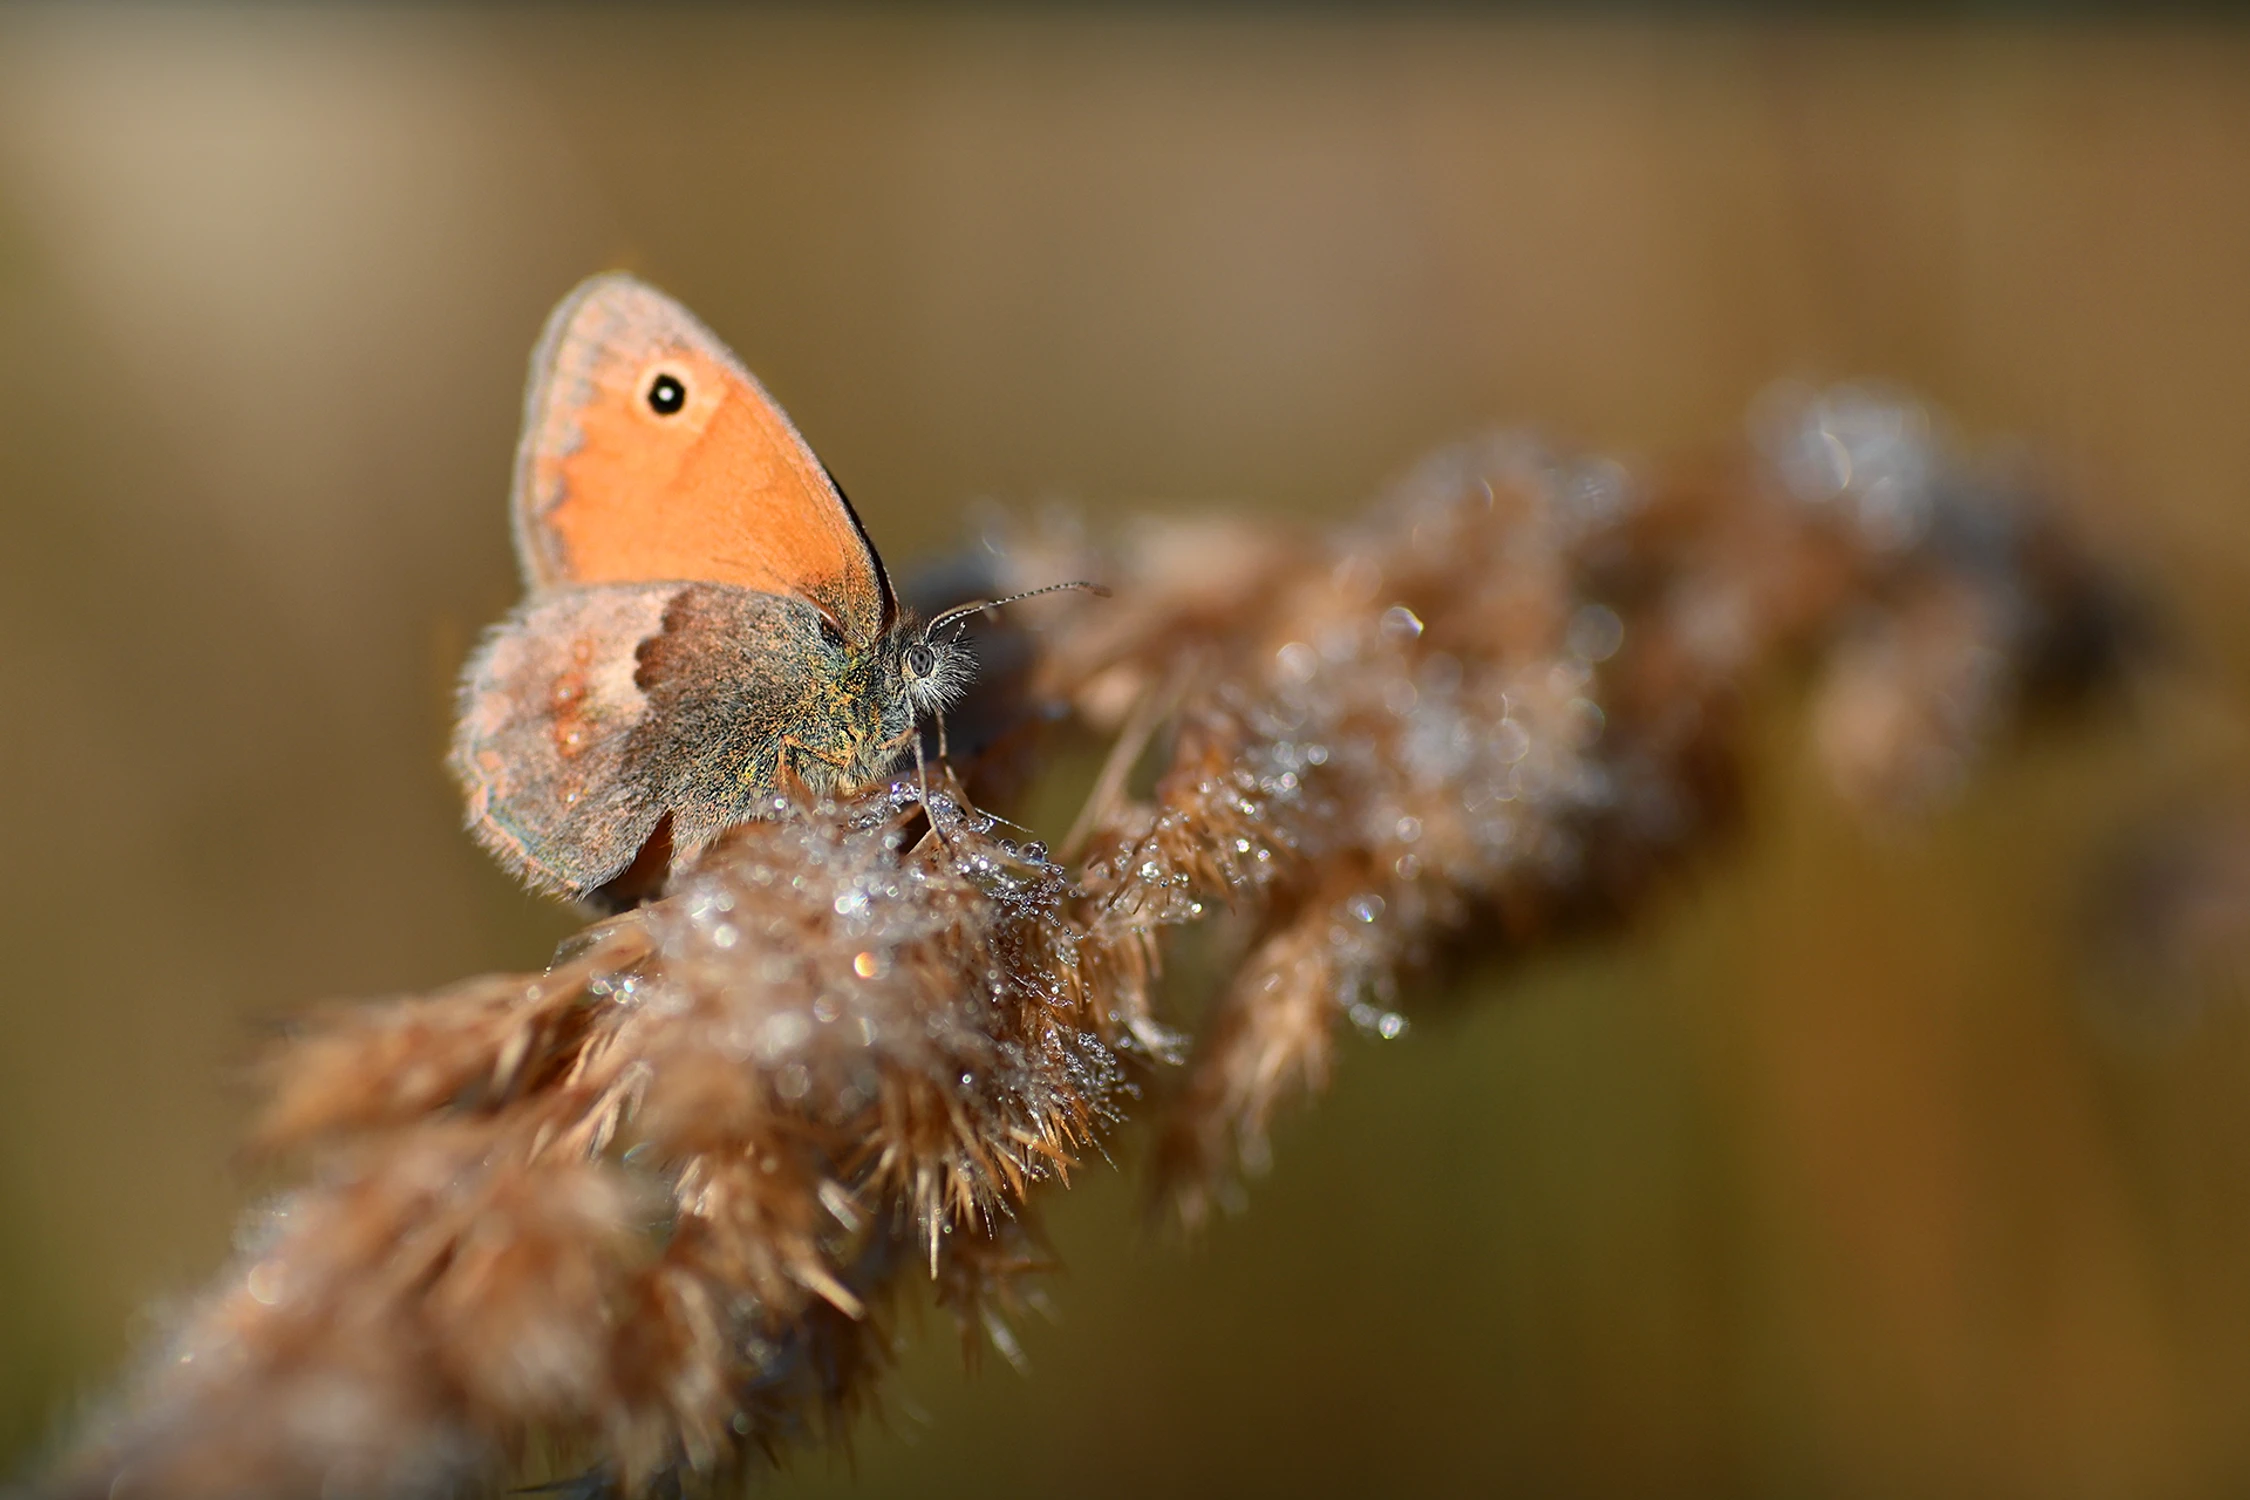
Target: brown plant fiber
639	1218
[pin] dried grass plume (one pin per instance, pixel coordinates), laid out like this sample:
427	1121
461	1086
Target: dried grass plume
637	1220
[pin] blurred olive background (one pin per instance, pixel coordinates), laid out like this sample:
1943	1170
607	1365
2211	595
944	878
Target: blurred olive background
1867	1166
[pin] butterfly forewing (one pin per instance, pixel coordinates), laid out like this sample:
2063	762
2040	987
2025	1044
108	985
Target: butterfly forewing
649	453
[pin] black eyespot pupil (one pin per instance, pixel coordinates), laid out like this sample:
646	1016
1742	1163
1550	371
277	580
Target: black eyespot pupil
666	395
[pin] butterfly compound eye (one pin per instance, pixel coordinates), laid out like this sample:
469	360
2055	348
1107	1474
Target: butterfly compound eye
921	661
666	394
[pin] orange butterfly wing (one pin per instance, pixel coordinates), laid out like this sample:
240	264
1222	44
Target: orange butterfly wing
650	453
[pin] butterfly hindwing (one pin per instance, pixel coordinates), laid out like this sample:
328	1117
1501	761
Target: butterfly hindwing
547	709
649	453
596	718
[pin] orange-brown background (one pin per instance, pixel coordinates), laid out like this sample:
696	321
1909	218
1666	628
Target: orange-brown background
1849	1174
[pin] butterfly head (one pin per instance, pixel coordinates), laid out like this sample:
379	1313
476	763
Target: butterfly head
934	672
935	668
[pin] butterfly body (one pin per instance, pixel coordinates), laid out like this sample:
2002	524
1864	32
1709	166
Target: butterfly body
705	624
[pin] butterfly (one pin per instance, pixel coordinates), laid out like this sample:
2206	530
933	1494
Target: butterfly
705	623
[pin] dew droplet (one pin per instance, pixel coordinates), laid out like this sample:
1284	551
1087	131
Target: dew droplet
1510	741
1297	661
1595	633
266	1282
784	1032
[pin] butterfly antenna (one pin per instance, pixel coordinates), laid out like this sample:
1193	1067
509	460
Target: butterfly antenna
961	613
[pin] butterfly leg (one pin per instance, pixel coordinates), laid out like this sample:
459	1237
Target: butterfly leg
922	776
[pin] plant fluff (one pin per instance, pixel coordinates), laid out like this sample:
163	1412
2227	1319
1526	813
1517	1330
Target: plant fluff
638	1220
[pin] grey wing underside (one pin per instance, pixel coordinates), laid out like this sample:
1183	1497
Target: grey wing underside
595	719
